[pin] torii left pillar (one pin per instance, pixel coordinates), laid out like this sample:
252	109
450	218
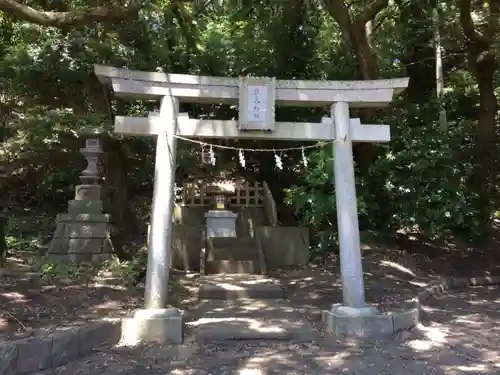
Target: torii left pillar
157	322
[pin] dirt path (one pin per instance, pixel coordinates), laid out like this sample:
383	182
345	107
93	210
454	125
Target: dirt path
460	336
463	341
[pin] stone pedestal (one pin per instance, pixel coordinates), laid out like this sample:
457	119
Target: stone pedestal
83	233
221	223
161	326
345	321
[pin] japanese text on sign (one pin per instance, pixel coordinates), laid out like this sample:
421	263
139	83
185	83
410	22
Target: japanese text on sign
256	103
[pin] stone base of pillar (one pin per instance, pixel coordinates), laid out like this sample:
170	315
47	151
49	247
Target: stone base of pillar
153	326
344	321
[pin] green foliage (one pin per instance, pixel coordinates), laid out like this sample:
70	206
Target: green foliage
314	199
125	272
423	177
50	101
419	184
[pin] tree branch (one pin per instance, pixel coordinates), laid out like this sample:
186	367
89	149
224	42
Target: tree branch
73	18
339	12
494	13
468	24
375	7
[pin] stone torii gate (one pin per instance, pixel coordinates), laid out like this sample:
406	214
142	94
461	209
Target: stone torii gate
256	98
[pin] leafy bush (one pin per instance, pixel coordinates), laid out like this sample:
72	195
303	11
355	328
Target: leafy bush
418	184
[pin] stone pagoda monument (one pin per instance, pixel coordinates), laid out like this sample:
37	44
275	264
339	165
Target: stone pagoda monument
83	233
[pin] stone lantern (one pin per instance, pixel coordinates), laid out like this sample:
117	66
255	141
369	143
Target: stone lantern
83	233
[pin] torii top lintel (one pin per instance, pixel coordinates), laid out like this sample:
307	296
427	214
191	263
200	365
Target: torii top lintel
202	89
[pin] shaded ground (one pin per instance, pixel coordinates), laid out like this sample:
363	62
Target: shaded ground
392	275
459	335
462	341
25	305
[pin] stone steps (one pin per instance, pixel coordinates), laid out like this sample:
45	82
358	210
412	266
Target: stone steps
246	307
231	266
236	286
250	319
232	256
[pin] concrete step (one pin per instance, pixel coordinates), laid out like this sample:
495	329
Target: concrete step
232	287
232	254
232	249
250	319
231	266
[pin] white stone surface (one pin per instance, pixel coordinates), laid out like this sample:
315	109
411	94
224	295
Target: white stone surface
341	310
256	99
221	223
153	326
306	131
151	85
160	235
353	291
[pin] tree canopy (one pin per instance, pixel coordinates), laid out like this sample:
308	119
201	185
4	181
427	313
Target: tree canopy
432	179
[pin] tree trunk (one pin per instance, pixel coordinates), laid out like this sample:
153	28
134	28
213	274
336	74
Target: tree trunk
367	70
357	31
365	57
483	64
118	204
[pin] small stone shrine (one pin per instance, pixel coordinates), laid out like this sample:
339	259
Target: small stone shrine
83	233
220	221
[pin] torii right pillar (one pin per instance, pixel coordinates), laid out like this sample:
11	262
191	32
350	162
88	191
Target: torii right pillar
353	291
353	317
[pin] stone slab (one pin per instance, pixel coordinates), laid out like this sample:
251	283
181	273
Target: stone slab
93	218
87	230
341	323
86	207
34	353
230	287
241	248
231	266
357	326
44	351
405	320
65	347
85	245
58	246
78	258
153	326
88	192
250	319
221	224
59	232
99	334
8	358
284	246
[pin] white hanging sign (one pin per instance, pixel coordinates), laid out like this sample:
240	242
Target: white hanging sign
256	103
